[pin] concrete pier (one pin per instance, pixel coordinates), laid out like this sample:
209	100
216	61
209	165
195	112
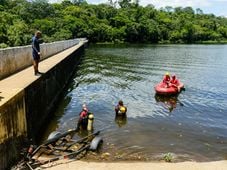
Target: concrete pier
26	101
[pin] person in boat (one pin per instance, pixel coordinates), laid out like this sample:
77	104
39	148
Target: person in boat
120	109
166	79
83	119
174	82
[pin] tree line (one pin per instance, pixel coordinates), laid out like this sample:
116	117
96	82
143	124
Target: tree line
114	21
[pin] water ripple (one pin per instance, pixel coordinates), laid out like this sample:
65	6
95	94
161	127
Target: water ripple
191	125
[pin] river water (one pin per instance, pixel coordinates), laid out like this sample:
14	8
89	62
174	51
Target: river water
190	126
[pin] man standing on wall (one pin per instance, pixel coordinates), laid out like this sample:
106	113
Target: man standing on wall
36	52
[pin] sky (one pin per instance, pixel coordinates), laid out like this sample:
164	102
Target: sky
216	7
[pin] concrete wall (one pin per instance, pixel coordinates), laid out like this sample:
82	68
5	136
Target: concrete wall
25	114
13	127
15	59
42	95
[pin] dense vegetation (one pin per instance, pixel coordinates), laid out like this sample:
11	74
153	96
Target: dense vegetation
111	22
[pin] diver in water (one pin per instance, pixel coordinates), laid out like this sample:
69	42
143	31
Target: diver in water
120	109
82	122
86	119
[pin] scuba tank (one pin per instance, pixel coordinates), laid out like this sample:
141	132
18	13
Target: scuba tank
122	110
90	122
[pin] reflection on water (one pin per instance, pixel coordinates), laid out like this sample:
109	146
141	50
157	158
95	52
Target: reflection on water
169	102
120	120
191	125
84	133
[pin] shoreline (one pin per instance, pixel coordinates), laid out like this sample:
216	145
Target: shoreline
84	165
224	42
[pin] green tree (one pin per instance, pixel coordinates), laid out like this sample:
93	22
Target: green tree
223	31
105	22
18	34
46	25
79	2
124	3
6	19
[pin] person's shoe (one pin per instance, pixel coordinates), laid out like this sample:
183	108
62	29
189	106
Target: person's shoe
38	74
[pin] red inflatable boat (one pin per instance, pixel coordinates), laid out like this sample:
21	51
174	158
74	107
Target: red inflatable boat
161	88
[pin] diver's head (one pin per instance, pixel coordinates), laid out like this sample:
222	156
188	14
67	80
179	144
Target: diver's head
84	107
120	103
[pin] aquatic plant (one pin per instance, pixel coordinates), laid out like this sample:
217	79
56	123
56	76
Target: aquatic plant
168	157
